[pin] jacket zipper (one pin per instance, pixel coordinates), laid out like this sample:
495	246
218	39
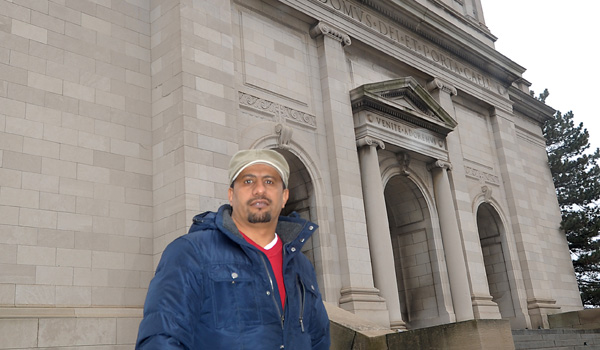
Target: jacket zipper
281	316
300	284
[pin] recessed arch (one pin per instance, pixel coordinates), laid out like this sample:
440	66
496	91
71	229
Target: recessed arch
492	238
418	255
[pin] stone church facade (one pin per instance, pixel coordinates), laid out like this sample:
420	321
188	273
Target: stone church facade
412	143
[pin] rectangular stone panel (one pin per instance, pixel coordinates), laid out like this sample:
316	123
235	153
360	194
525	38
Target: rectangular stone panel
80	331
18	334
274	57
475	134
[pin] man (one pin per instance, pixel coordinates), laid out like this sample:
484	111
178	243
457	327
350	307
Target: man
238	279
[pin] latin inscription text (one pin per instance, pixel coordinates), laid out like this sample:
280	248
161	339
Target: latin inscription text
394	33
406	130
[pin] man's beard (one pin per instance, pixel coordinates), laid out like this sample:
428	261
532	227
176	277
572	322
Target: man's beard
259	217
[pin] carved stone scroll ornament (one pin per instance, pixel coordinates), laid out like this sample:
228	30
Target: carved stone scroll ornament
487	193
369	141
277	110
439	164
322	28
284	135
404	161
441	85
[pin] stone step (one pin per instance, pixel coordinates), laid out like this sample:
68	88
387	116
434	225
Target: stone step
557	339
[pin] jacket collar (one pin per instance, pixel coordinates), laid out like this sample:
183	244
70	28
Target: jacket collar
291	229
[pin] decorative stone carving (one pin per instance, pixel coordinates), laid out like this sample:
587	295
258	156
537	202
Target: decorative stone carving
322	28
284	135
276	109
487	193
403	99
439	164
404	161
482	175
439	84
369	141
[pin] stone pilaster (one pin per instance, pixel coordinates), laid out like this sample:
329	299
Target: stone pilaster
193	113
358	293
531	253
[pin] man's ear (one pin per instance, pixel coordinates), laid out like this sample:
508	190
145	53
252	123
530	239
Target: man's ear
286	195
230	195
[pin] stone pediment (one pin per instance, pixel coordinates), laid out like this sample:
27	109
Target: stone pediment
403	100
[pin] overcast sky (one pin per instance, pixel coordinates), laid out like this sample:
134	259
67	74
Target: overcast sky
557	42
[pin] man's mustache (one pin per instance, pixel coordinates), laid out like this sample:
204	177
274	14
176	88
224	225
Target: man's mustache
259	198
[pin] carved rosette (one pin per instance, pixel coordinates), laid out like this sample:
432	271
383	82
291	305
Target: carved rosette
322	28
277	110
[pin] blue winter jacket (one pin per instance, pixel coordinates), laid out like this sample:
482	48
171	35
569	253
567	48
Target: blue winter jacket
213	290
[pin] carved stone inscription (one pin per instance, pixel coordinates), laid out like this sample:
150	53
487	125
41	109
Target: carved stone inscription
384	28
407	131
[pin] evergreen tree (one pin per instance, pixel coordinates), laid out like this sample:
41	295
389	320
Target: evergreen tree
576	176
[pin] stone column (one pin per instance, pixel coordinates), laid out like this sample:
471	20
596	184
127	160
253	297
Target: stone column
453	250
380	242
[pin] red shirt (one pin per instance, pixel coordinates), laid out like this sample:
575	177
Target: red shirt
275	256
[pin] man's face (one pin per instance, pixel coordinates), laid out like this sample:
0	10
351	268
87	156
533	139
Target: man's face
257	195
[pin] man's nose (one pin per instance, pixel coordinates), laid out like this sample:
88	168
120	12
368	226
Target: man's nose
259	187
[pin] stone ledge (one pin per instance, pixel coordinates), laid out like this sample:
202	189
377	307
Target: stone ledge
70	312
581	319
466	335
349	331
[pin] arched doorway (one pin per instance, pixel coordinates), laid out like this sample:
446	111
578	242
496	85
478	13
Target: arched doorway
491	235
302	198
415	255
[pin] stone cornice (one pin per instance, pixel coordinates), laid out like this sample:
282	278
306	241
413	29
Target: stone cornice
529	106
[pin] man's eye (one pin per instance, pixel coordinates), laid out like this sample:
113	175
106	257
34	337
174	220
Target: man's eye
248	181
269	182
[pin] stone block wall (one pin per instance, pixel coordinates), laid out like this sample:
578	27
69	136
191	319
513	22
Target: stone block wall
62	329
76	186
582	319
